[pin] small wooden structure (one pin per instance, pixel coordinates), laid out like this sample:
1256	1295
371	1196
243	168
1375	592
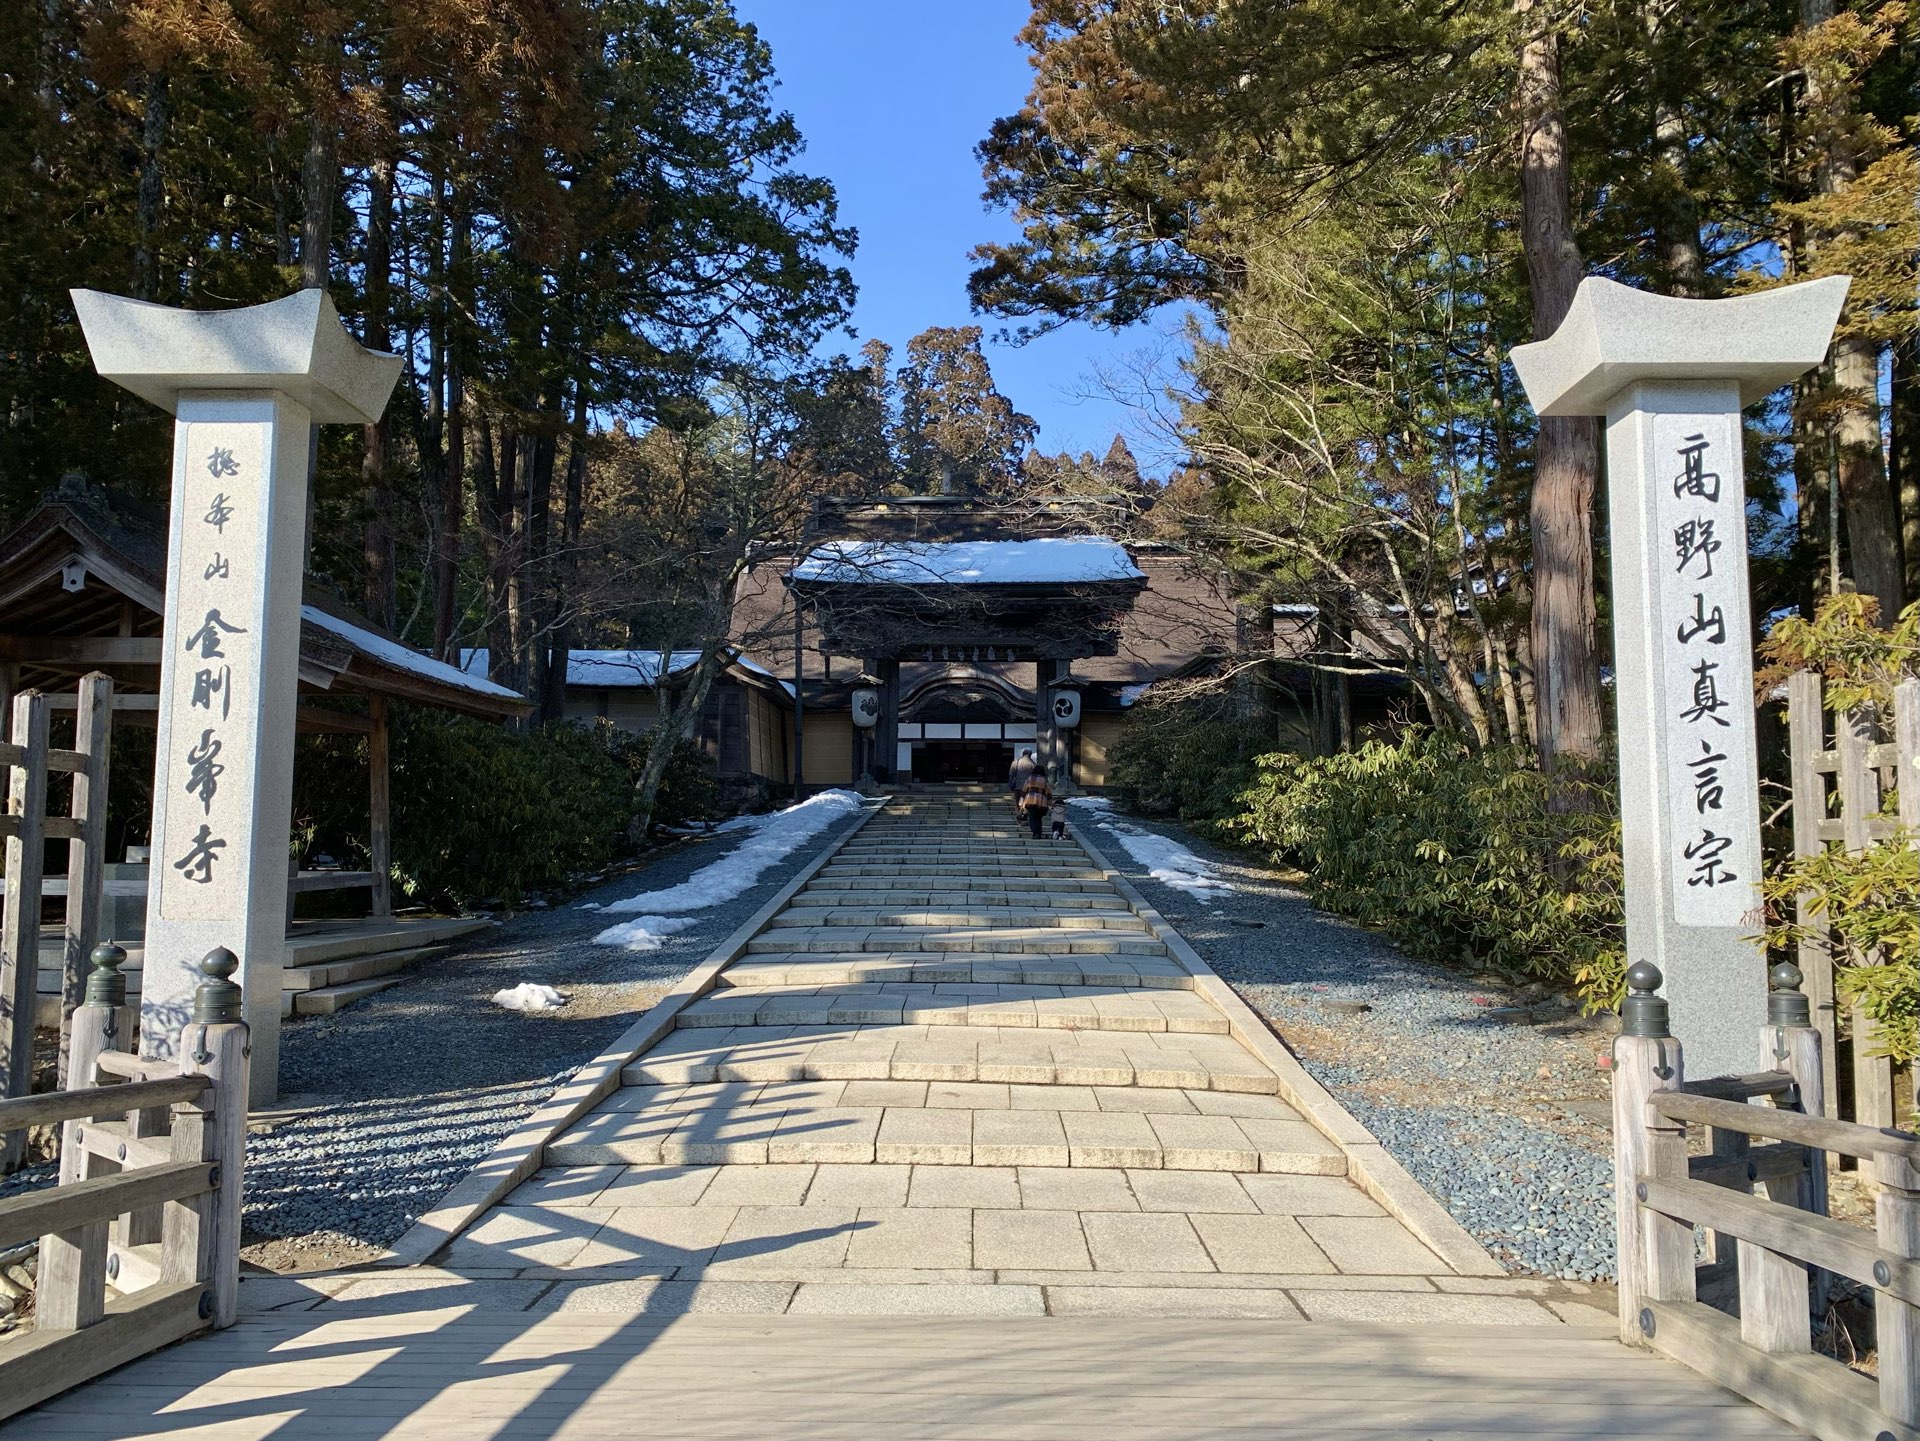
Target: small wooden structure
82	588
1766	1204
1839	790
140	1240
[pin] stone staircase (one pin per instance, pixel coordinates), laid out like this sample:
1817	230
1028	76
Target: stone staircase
949	992
959	1074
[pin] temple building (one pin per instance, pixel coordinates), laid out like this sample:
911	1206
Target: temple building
937	636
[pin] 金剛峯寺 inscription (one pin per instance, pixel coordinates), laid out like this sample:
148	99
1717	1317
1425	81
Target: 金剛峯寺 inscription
216	661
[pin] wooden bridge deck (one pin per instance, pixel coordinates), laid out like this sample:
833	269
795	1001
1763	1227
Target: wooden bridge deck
453	1375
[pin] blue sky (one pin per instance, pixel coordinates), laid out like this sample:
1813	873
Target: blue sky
892	96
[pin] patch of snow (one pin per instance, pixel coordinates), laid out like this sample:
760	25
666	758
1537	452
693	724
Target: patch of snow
1055	560
647	933
771	839
1166	860
529	996
403	657
626	669
1132	694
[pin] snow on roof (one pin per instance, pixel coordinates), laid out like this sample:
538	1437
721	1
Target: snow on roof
404	657
1056	560
623	669
1131	695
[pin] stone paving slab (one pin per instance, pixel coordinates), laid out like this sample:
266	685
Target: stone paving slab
764	970
1029	1055
1042	1007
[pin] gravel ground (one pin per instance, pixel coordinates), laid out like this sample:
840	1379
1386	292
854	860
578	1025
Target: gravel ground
1492	1099
386	1104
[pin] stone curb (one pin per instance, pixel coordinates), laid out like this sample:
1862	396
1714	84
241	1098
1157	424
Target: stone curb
1369	1164
519	1155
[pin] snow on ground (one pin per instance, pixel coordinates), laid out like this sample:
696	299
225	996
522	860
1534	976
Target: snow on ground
1166	860
646	933
770	840
529	996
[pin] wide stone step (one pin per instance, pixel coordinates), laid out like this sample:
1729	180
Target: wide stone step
336	973
917	895
946	1124
1038	1007
910	870
328	999
1028	1055
1077	918
1053	891
826	968
1038	939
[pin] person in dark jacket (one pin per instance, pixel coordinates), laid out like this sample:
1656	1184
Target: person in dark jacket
1024	765
1036	799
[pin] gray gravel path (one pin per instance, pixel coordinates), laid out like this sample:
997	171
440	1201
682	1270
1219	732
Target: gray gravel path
389	1102
1492	1100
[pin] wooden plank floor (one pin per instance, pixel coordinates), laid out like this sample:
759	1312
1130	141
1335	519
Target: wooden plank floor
451	1375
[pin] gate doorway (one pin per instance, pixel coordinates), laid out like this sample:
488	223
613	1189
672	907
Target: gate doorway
962	760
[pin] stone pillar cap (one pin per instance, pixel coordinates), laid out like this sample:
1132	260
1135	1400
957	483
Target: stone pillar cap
1614	335
295	345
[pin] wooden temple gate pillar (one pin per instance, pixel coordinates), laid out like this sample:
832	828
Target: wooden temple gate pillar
886	735
379	807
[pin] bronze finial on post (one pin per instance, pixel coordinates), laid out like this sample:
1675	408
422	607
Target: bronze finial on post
1787	1005
1644	1012
217	1000
105	985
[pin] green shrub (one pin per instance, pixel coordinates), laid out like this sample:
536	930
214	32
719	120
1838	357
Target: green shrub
479	810
1453	854
1191	759
688	788
1871	902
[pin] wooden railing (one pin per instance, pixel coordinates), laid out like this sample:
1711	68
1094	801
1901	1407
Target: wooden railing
28	758
1777	1251
140	1240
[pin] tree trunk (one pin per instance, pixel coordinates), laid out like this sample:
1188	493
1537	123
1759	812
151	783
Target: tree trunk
674	727
539	599
453	502
1866	493
566	571
1566	451
1873	523
1906	454
382	600
152	190
319	181
1677	221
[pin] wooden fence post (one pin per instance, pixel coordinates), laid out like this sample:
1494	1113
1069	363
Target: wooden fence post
201	1236
1646	1059
86	855
73	1265
1897	1320
379	807
20	935
1859	800
1775	1301
1806	744
1906	747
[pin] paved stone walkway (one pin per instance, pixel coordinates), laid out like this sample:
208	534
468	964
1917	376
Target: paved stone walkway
959	1075
956	1085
